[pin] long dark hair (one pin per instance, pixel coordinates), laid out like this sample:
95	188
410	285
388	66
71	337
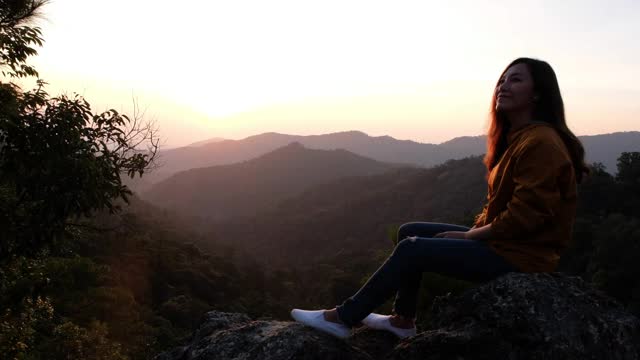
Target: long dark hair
549	108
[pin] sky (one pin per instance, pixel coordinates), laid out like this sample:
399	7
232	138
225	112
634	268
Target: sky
419	70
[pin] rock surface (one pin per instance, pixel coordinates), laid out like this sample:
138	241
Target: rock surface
517	316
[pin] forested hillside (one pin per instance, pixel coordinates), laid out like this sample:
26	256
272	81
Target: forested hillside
254	186
358	214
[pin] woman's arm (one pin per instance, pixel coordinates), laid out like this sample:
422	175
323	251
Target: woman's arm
475	233
479	233
464	234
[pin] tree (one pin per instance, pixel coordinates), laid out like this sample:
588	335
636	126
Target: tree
628	178
58	160
629	168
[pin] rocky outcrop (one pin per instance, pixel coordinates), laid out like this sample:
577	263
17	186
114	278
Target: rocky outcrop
518	316
234	336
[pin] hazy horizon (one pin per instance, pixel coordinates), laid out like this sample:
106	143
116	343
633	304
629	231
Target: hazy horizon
414	70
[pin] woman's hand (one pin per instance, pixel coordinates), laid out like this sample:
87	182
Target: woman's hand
452	235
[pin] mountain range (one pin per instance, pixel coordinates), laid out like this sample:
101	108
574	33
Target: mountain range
253	186
250	187
603	148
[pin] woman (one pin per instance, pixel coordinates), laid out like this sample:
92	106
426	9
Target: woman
534	162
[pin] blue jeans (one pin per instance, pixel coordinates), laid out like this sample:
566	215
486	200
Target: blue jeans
416	252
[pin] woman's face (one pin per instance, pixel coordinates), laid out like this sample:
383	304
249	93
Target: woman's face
515	90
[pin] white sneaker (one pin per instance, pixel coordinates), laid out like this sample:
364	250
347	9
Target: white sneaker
381	322
315	319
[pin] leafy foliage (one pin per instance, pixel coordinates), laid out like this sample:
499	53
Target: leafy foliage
607	232
59	162
17	41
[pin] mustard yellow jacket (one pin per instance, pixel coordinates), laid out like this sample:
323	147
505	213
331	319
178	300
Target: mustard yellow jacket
531	199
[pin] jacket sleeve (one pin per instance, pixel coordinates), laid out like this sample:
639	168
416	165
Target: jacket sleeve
536	192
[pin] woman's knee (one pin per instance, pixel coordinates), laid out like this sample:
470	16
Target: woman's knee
405	230
405	247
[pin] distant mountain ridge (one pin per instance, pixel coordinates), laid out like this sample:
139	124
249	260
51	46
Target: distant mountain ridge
252	186
599	148
606	148
205	142
381	148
